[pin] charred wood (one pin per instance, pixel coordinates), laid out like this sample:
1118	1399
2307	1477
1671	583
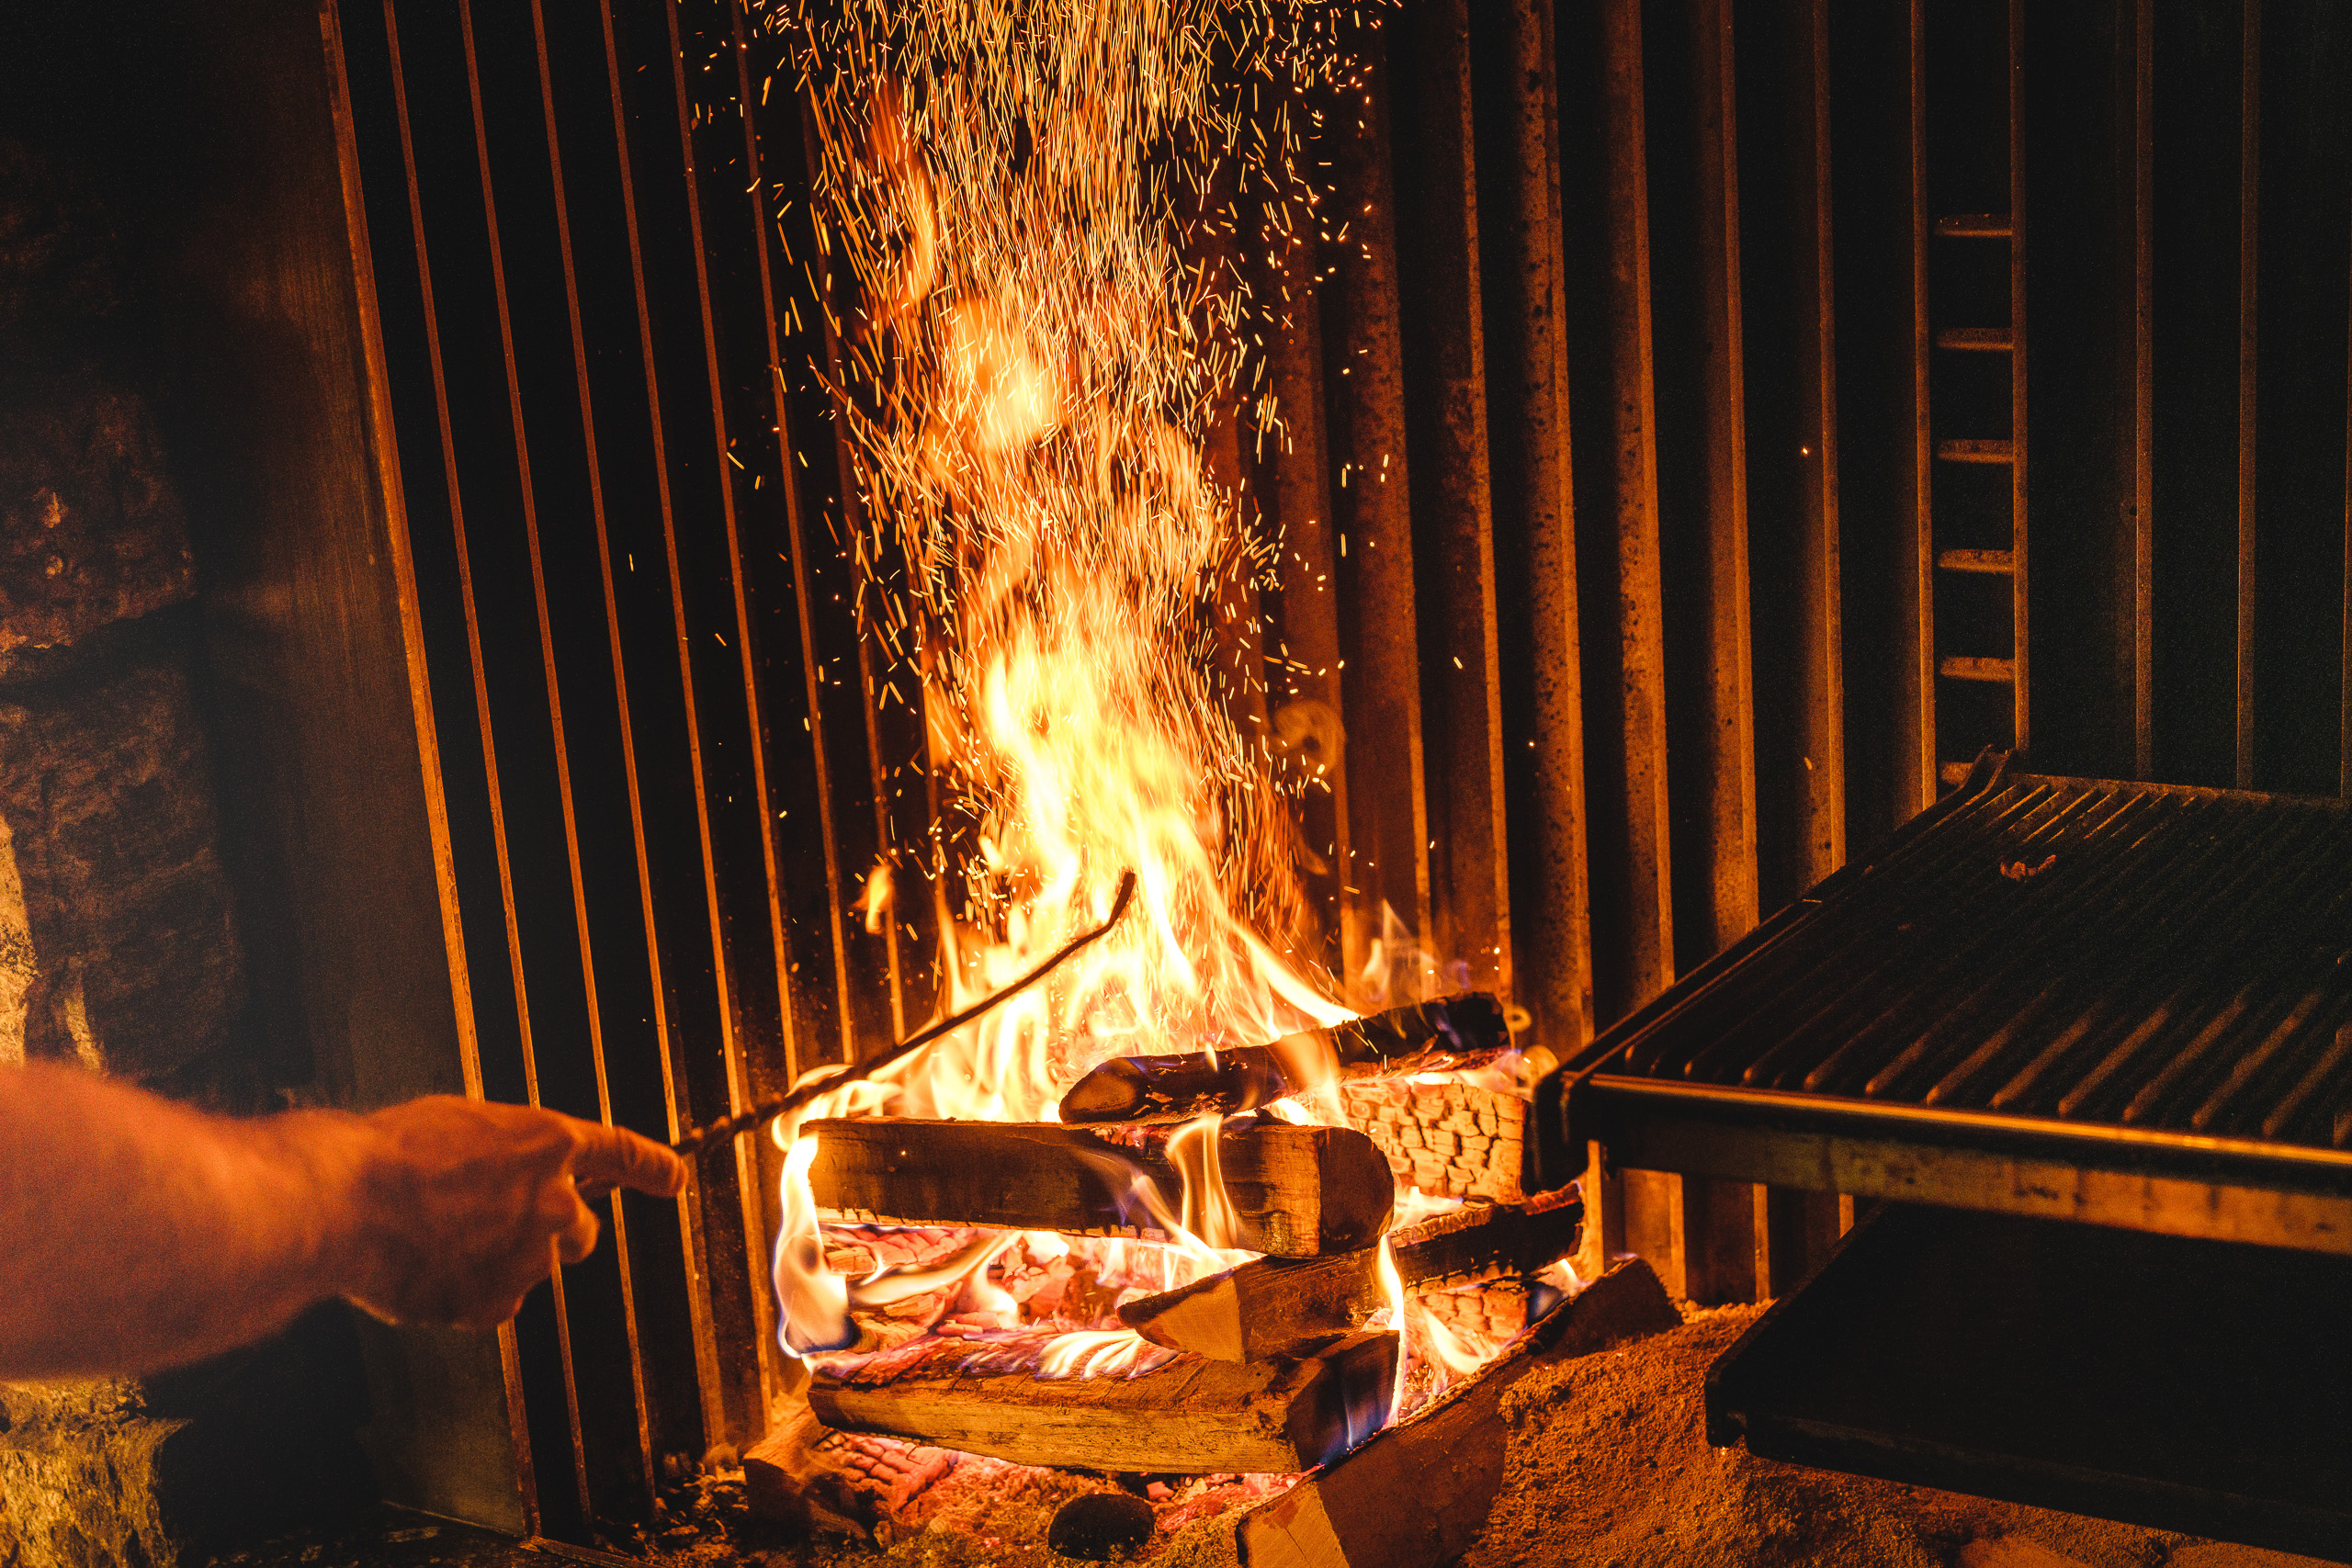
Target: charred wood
1375	1508
1270	1306
1458	1031
1294	1191
805	1475
1189	1416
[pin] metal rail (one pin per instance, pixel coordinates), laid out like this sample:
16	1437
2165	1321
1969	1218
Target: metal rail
2119	1002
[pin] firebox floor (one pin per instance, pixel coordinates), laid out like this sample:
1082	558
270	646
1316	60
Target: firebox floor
1608	1467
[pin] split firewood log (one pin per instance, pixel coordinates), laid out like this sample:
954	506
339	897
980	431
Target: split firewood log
1378	1509
1456	1032
1450	1139
1270	1306
1294	1191
1187	1415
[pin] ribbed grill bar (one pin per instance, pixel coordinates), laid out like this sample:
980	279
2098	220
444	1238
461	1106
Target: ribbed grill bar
2135	956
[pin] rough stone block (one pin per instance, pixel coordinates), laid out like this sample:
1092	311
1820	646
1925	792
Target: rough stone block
126	1476
107	791
90	529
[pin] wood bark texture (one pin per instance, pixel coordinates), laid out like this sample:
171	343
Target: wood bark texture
1192	1417
1295	1191
1271	1307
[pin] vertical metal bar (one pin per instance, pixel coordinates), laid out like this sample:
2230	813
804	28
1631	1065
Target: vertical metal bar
1310	605
1720	1218
2144	408
1389	811
2344	721
383	443
1474	921
509	1352
2020	688
554	715
1556	959
1821	716
854	524
482	697
1920	779
747	1171
2249	210
1653	1203
698	1303
1238	656
1730	692
837	893
383	440
1656	1225
1650	915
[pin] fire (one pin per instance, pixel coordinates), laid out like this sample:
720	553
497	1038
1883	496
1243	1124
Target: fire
1027	380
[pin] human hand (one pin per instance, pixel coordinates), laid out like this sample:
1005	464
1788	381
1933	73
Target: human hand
453	1204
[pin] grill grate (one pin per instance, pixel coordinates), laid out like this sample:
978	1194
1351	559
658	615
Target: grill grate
2122	975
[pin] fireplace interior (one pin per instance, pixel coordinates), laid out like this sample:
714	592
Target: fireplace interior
1726	849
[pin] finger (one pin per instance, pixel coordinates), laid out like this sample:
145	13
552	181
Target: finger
615	1157
579	1238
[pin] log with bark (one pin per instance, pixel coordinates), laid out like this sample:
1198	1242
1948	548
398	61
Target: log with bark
1270	1306
1456	1032
1187	1415
1420	1492
1294	1191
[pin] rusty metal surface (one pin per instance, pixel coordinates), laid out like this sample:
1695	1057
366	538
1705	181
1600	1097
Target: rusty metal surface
1470	860
1729	692
1917	778
2115	1001
1649	914
1389	826
1528	376
1821	714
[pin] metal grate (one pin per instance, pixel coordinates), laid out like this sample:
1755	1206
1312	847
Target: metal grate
2063	981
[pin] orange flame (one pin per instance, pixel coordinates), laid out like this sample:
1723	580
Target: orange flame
1027	378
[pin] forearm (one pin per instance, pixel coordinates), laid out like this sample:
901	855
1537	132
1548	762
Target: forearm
140	1233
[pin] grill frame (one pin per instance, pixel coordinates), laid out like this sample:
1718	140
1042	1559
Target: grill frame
1621	1095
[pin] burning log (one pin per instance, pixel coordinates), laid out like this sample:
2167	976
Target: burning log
1187	1416
1377	1508
1266	1307
1459	1032
1294	1191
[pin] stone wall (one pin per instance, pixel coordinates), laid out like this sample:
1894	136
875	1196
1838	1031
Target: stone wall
118	940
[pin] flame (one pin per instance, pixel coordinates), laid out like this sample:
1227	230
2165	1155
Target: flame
1392	1288
1029	367
813	1302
